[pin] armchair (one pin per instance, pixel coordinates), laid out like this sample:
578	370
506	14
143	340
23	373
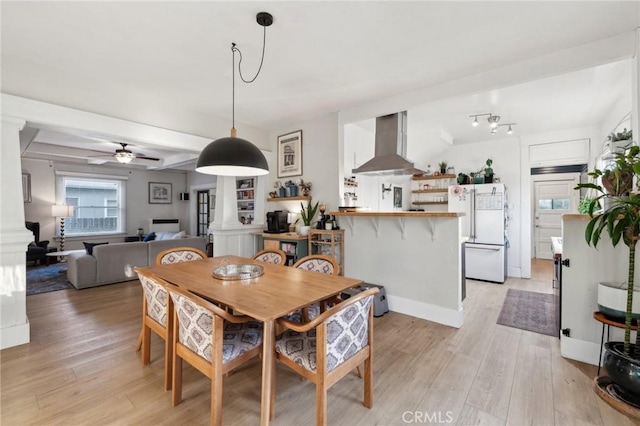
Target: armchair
36	251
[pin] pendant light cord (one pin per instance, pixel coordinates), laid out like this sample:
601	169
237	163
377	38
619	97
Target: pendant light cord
234	49
264	45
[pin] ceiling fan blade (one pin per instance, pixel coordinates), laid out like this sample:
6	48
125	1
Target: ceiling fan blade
144	157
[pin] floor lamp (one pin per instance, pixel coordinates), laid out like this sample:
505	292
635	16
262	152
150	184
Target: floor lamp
61	212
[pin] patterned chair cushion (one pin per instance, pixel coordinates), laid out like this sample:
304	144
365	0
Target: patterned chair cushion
195	325
317	265
347	333
270	257
156	297
180	256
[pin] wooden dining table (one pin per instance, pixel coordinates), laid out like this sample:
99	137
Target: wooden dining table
279	291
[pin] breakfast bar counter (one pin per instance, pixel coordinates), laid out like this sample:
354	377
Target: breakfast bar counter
416	256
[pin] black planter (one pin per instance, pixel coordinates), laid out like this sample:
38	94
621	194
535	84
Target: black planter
488	178
624	371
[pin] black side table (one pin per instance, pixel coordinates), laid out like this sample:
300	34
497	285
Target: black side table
134	238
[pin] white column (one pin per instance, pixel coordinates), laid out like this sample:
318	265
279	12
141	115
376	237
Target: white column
226	214
14	238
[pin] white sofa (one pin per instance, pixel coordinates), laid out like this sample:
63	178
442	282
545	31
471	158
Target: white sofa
112	263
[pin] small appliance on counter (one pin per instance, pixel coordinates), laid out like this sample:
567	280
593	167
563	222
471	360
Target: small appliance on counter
277	222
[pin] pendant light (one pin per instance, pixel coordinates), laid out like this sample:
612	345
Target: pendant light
234	156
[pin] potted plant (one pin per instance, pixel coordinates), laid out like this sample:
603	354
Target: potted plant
488	171
443	167
307	215
620	219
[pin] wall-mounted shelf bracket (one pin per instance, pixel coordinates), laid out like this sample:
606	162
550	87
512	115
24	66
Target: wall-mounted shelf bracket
375	221
402	223
431	228
350	225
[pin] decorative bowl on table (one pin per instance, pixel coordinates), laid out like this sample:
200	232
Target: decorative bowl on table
237	272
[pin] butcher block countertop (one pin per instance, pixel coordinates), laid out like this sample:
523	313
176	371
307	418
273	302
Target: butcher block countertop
398	214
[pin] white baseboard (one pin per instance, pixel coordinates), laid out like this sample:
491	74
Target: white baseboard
579	350
15	335
438	314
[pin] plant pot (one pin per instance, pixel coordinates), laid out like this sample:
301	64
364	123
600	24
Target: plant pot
304	230
443	171
624	371
612	300
478	179
488	179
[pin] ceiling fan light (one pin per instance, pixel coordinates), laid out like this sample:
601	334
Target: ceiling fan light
493	120
509	130
232	156
475	122
124	157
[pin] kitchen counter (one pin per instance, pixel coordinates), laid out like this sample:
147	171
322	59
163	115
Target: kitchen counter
398	214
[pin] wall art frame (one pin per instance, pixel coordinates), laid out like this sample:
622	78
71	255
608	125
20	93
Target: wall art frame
290	154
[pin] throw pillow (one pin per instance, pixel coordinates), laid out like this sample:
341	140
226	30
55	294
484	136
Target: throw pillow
164	235
89	246
181	234
150	237
33	244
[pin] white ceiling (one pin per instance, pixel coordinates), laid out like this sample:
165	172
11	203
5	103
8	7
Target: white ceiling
168	64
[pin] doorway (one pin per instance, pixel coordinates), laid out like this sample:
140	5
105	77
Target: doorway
553	196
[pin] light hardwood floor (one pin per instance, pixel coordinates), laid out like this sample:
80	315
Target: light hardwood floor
81	368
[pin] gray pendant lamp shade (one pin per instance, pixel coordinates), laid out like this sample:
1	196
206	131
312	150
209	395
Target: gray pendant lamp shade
232	157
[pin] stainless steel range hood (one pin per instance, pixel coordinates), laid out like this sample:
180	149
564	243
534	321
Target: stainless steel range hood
390	148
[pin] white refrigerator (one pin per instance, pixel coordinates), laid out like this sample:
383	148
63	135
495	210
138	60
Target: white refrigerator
484	225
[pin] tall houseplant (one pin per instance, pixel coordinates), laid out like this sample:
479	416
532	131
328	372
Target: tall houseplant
621	222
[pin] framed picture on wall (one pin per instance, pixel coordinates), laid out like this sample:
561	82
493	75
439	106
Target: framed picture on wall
26	187
159	193
290	154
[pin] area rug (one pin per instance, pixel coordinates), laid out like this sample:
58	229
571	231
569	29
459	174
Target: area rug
530	311
43	279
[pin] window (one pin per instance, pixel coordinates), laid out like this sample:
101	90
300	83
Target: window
553	204
98	201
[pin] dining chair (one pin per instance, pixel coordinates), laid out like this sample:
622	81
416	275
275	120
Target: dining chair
275	256
180	254
174	255
157	315
212	340
316	263
327	348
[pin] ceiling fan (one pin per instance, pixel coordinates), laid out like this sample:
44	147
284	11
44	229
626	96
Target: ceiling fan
124	155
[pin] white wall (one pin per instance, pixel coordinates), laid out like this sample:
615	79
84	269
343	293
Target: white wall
320	162
139	211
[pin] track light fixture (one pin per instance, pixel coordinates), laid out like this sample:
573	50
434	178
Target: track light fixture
493	121
509	128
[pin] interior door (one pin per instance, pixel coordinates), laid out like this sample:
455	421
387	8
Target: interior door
203	212
552	199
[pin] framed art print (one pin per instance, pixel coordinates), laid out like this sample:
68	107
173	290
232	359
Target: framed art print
159	193
290	154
